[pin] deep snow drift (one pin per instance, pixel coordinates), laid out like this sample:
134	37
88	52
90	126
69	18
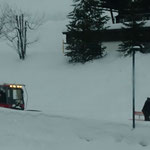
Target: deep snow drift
82	106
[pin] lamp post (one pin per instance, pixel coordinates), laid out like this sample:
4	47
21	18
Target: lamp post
136	46
133	86
134	49
133	76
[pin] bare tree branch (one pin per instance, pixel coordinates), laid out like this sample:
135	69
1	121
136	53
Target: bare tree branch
14	25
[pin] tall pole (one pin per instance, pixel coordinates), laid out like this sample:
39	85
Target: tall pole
133	71
133	87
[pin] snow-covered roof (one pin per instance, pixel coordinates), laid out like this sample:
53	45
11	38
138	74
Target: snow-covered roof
120	25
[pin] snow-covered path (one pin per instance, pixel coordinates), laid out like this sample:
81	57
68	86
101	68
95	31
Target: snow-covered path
36	130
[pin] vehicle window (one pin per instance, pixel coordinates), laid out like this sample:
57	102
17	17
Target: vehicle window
8	92
2	97
17	94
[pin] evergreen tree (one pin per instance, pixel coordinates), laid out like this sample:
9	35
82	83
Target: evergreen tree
86	19
133	31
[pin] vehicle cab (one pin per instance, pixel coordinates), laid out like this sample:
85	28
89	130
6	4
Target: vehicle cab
12	96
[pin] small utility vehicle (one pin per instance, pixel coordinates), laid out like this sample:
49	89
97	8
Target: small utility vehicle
12	96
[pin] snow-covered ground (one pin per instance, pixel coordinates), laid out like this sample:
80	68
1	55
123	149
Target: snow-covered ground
84	107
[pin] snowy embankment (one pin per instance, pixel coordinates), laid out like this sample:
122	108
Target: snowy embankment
83	107
30	130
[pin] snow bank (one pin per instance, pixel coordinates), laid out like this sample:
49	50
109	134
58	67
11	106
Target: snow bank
30	130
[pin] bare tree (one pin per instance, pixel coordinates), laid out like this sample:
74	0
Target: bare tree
14	27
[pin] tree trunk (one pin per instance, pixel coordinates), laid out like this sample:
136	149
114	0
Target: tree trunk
112	16
21	35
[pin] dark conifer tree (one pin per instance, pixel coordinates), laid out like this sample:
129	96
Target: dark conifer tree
86	19
132	31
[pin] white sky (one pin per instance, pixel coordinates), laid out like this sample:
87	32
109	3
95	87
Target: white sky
53	8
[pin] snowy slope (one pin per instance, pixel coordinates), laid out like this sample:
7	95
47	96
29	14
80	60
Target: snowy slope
84	107
26	130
